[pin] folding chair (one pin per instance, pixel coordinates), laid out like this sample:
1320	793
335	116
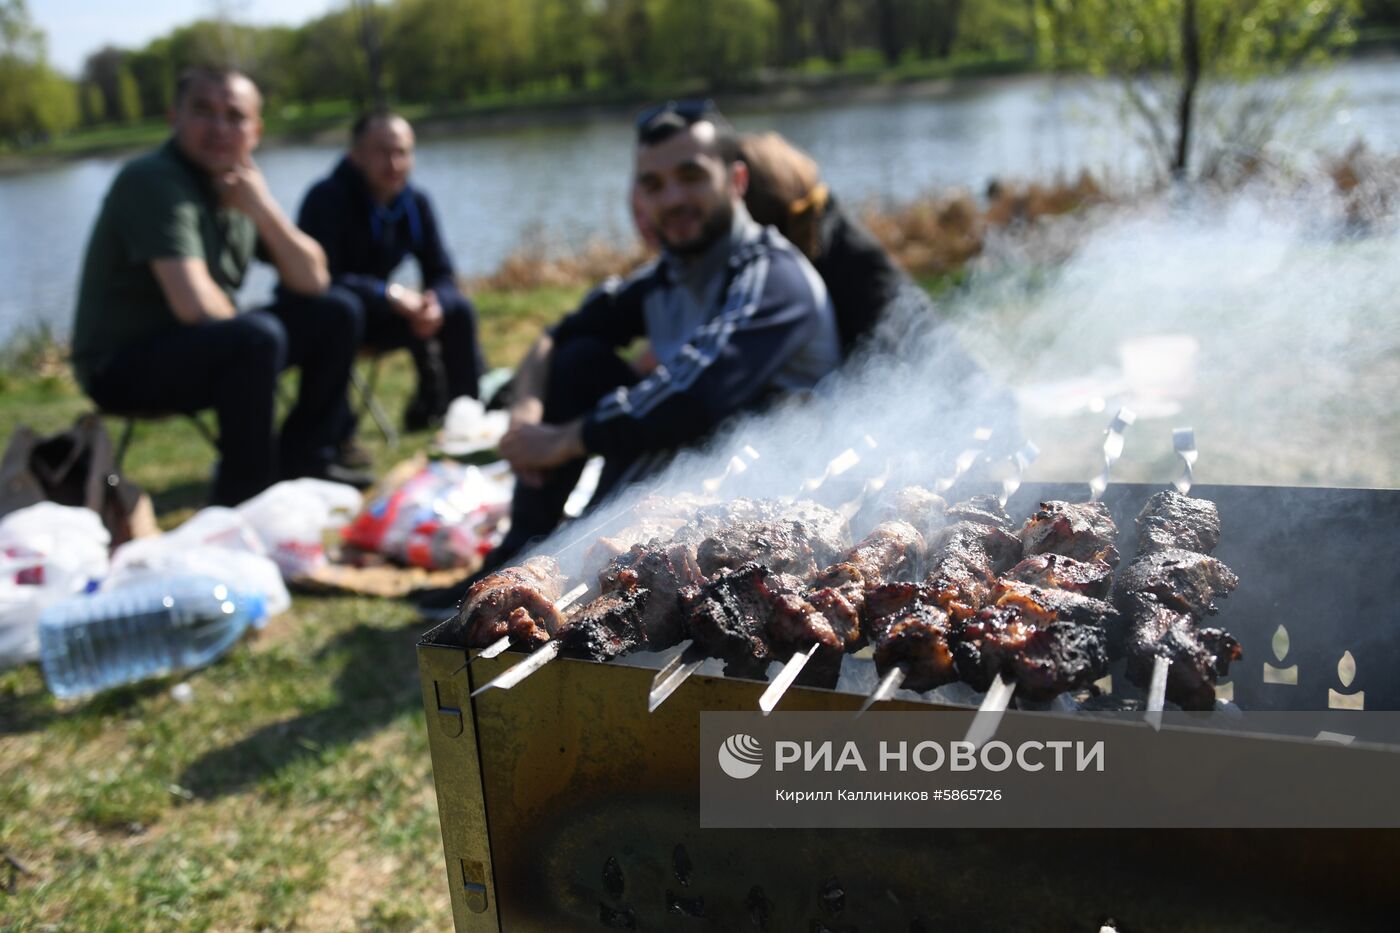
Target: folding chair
365	387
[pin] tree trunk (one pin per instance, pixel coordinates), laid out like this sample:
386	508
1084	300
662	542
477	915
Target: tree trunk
1190	78
890	30
374	51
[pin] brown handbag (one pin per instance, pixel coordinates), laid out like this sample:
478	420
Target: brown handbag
75	467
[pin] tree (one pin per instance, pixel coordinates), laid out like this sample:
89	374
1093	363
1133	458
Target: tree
35	102
720	41
1166	54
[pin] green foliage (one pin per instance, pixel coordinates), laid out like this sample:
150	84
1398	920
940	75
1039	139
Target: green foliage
36	103
1167	53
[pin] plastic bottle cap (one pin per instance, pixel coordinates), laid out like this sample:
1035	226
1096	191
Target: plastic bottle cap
257	608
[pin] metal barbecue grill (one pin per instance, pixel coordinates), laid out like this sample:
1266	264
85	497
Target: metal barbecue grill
566	806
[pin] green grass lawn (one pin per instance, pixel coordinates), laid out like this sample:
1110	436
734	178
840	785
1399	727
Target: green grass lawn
293	791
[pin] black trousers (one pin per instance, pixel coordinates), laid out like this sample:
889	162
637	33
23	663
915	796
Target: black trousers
581	372
232	367
449	365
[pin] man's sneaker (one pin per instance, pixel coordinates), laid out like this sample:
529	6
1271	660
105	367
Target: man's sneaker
354	455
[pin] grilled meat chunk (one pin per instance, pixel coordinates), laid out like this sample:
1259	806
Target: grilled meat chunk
664	570
523	595
748	615
923	509
1170	520
908	628
983	510
1082	530
803	540
890	552
610	625
1182	580
1048	641
964	561
1199	657
1055	571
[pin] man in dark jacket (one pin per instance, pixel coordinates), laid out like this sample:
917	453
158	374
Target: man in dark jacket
733	313
368	218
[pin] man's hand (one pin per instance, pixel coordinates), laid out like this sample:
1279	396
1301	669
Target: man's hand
244	189
420	309
532	448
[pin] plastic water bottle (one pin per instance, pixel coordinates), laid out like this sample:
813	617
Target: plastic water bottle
89	644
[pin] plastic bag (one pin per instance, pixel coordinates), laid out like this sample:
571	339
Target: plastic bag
215	542
445	515
48	552
292	518
469	428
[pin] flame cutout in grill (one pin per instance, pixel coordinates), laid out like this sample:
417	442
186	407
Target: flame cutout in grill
1346	674
1276	674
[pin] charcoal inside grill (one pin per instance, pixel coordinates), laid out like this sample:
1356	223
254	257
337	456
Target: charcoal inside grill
1081	530
1171	520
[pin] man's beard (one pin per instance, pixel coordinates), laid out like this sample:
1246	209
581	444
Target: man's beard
718	224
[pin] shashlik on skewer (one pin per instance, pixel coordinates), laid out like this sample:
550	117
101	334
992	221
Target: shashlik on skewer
1167	591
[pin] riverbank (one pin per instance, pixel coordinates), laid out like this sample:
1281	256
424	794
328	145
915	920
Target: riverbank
863	79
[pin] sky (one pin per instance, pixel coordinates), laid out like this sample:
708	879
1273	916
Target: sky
77	28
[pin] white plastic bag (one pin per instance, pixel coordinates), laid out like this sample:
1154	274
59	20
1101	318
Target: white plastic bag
48	552
214	542
292	518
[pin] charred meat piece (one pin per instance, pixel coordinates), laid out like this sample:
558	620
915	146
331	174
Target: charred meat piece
608	626
1046	641
964	561
1082	530
664	570
1182	580
521	595
1055	571
799	543
890	552
984	510
920	507
908	628
1199	657
745	616
1170	520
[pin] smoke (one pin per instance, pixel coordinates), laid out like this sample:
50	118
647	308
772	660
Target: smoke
1262	318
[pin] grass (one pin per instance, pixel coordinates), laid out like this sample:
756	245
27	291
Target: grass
294	791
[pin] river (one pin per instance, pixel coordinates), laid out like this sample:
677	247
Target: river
562	183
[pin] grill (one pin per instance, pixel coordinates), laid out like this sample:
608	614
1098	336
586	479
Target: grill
565	805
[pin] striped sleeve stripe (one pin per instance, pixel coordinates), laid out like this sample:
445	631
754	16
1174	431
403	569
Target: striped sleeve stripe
696	356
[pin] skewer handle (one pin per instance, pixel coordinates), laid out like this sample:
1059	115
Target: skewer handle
1184	442
1112	450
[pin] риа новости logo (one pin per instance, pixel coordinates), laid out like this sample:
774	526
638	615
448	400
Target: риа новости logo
741	756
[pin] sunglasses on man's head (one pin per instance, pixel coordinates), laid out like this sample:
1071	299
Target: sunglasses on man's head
690	111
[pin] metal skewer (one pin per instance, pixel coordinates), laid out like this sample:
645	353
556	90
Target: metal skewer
892	681
984	724
1112	450
966	459
550	649
1184	442
675	673
501	644
785	677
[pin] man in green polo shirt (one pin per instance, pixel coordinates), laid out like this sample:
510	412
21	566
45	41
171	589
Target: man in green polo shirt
157	328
